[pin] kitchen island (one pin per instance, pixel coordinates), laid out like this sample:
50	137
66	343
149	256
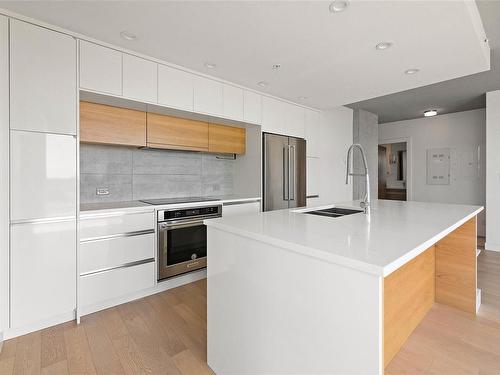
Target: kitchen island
292	292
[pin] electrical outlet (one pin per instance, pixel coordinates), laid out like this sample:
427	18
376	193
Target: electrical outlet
102	191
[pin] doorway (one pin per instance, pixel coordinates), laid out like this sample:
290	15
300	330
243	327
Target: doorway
393	171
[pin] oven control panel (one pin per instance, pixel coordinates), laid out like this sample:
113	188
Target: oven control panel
189	213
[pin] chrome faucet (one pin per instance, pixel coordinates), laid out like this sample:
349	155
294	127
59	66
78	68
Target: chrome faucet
365	203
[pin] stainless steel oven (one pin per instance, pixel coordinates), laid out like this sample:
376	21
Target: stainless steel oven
182	239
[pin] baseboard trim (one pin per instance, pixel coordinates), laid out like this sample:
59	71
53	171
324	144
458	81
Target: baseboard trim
20	331
492	246
160	287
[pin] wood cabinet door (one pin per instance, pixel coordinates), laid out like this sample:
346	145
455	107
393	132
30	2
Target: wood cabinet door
112	125
226	139
176	133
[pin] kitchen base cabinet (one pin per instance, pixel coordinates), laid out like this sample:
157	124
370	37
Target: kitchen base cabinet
43	271
104	286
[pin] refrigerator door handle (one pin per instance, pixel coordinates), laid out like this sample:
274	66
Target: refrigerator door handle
286	173
291	173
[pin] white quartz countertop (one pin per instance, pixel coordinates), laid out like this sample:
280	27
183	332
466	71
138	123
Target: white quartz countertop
394	233
138	206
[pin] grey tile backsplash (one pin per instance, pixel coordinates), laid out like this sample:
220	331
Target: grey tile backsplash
132	174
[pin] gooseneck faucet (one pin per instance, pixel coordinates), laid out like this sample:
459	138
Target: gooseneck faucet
365	203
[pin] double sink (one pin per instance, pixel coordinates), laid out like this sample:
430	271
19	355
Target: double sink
334	212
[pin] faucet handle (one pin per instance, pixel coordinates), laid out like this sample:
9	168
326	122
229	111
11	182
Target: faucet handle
364	204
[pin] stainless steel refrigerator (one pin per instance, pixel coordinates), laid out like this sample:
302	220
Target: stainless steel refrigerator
284	169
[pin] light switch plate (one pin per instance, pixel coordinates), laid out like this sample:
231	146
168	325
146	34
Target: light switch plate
102	191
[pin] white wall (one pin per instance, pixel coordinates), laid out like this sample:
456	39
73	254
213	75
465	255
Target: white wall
336	137
4	175
462	132
493	170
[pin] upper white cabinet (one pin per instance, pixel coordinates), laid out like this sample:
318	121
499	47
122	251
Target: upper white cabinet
294	120
100	68
208	96
43	271
43	84
140	78
42	175
313	132
273	115
175	88
252	107
233	102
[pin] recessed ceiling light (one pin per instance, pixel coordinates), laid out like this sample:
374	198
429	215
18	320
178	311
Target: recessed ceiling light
276	66
128	35
263	84
430	113
210	65
338	6
302	97
412	71
383	45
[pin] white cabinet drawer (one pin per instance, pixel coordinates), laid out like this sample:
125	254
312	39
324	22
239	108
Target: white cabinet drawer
107	285
43	79
95	227
140	78
43	269
240	208
100	68
115	252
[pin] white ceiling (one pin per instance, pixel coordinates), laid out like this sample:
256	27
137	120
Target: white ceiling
460	94
328	57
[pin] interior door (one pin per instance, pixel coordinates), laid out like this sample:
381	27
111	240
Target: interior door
297	172
275	172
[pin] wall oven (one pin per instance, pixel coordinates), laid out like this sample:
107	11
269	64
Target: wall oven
182	239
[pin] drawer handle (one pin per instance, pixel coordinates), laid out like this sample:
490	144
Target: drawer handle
120	235
126	265
192	264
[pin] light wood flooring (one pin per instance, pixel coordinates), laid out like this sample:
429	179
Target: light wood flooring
166	334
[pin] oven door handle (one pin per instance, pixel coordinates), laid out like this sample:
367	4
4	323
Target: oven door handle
181	224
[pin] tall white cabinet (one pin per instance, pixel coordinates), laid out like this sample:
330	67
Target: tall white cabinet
43	181
4	174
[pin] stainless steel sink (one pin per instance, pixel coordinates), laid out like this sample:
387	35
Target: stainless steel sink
334	212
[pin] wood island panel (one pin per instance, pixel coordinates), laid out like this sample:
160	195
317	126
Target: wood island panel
456	268
226	139
409	293
105	124
176	133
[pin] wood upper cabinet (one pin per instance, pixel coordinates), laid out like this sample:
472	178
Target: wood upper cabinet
176	133
226	139
112	125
